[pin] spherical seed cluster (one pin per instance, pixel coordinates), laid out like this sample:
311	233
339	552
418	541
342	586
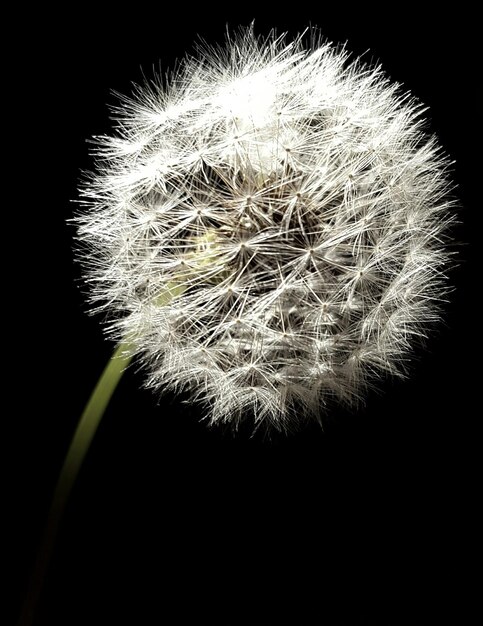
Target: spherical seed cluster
267	228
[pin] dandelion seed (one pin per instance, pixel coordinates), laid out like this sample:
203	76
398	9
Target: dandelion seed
296	198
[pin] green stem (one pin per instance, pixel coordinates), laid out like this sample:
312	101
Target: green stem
86	430
79	446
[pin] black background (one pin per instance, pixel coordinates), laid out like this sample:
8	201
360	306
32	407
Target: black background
370	521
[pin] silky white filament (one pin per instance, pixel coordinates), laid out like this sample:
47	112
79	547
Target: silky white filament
296	198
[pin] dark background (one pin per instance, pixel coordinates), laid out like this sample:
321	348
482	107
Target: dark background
369	522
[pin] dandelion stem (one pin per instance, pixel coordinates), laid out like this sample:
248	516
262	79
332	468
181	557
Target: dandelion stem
85	431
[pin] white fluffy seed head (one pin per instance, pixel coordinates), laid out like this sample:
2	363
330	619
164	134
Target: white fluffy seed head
294	202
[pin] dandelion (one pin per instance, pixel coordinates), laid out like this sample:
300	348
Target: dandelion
267	230
294	200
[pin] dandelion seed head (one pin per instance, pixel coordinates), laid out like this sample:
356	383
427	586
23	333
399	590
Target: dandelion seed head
293	201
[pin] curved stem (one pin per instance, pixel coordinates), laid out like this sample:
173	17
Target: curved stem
86	430
79	446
